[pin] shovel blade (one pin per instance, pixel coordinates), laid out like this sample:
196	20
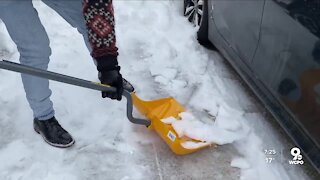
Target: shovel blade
159	109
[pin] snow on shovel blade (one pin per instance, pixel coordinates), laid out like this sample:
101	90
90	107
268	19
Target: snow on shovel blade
159	109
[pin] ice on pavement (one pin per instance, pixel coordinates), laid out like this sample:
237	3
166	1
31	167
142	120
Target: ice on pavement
240	163
159	54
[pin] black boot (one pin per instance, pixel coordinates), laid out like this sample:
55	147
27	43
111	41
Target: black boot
53	133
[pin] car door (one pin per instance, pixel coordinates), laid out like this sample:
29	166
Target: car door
238	22
287	60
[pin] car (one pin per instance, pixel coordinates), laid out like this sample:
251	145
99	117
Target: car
274	46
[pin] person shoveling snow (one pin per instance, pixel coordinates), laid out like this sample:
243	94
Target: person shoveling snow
27	31
98	29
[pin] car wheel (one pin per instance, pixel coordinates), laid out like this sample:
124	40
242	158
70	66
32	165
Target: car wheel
193	10
197	13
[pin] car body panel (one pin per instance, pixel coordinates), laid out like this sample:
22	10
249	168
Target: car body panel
284	71
238	22
287	66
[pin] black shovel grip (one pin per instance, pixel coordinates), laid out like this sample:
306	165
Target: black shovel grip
16	67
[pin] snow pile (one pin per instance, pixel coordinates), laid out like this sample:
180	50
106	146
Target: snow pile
225	130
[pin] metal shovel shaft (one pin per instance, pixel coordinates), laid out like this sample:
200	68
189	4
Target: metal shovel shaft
11	66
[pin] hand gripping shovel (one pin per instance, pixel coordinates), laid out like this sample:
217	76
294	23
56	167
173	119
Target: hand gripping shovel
155	110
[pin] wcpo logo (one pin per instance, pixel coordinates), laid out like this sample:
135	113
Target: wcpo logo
297	157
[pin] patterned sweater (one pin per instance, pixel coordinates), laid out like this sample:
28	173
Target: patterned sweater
99	18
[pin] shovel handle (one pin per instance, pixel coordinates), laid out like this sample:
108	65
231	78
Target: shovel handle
16	67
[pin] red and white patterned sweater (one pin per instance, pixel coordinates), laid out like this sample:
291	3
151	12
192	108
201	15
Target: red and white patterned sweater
99	18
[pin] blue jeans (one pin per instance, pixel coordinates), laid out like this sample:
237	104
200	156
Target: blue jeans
26	30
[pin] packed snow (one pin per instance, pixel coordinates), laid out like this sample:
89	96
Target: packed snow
223	131
187	125
160	55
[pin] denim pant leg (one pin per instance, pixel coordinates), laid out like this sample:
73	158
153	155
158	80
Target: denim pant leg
26	30
71	11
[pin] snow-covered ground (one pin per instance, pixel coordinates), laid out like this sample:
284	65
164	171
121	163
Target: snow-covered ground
159	54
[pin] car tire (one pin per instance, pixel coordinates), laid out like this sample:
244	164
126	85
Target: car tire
200	18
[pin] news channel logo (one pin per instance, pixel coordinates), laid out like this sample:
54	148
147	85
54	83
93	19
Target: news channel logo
297	157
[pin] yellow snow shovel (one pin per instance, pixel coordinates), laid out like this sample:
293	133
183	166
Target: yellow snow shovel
155	110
